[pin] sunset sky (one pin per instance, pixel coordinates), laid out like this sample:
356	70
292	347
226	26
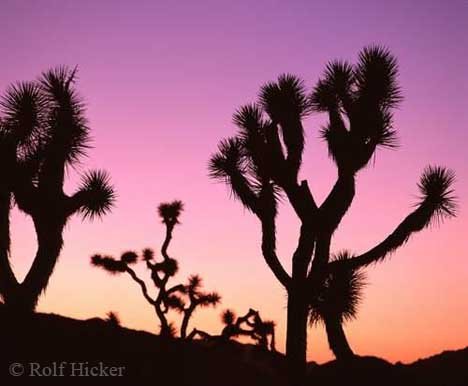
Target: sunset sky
161	80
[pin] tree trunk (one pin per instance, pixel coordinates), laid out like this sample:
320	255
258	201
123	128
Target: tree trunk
273	341
7	278
26	294
296	337
165	330
185	322
337	339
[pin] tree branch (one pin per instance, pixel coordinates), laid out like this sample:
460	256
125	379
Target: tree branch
142	284
75	202
25	193
338	201
8	280
167	240
178	287
301	200
414	222
303	253
269	250
241	187
299	196
322	254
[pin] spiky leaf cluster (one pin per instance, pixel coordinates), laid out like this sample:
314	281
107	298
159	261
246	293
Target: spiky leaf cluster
359	100
175	302
210	299
168	266
340	294
170	211
99	192
45	130
436	188
195	283
108	263
197	297
147	254
228	317
269	143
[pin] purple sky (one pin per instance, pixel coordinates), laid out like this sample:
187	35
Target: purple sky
161	80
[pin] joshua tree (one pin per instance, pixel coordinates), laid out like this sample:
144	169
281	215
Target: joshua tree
42	133
196	298
262	162
167	297
337	303
250	325
262	331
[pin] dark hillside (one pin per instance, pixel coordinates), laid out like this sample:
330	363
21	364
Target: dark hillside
50	339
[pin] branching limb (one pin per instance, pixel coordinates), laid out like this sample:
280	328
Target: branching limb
269	251
303	253
227	165
176	288
338	201
7	277
142	285
436	203
301	200
95	196
8	281
167	241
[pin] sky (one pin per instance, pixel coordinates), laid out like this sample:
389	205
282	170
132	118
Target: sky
161	80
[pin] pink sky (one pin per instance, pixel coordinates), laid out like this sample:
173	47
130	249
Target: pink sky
161	81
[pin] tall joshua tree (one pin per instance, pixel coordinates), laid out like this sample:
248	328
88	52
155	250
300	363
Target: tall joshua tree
263	162
168	297
336	303
42	133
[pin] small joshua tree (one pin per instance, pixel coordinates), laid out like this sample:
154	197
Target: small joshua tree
235	326
196	298
250	325
168	297
263	332
336	303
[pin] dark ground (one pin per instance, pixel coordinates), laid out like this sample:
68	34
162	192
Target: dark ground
47	340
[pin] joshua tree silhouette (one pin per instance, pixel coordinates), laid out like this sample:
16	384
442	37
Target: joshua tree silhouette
250	325
43	132
196	298
336	303
263	161
167	297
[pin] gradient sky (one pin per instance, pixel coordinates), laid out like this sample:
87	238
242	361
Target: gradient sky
161	80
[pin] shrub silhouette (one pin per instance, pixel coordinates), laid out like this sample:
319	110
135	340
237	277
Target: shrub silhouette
179	297
43	132
336	303
262	163
112	318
